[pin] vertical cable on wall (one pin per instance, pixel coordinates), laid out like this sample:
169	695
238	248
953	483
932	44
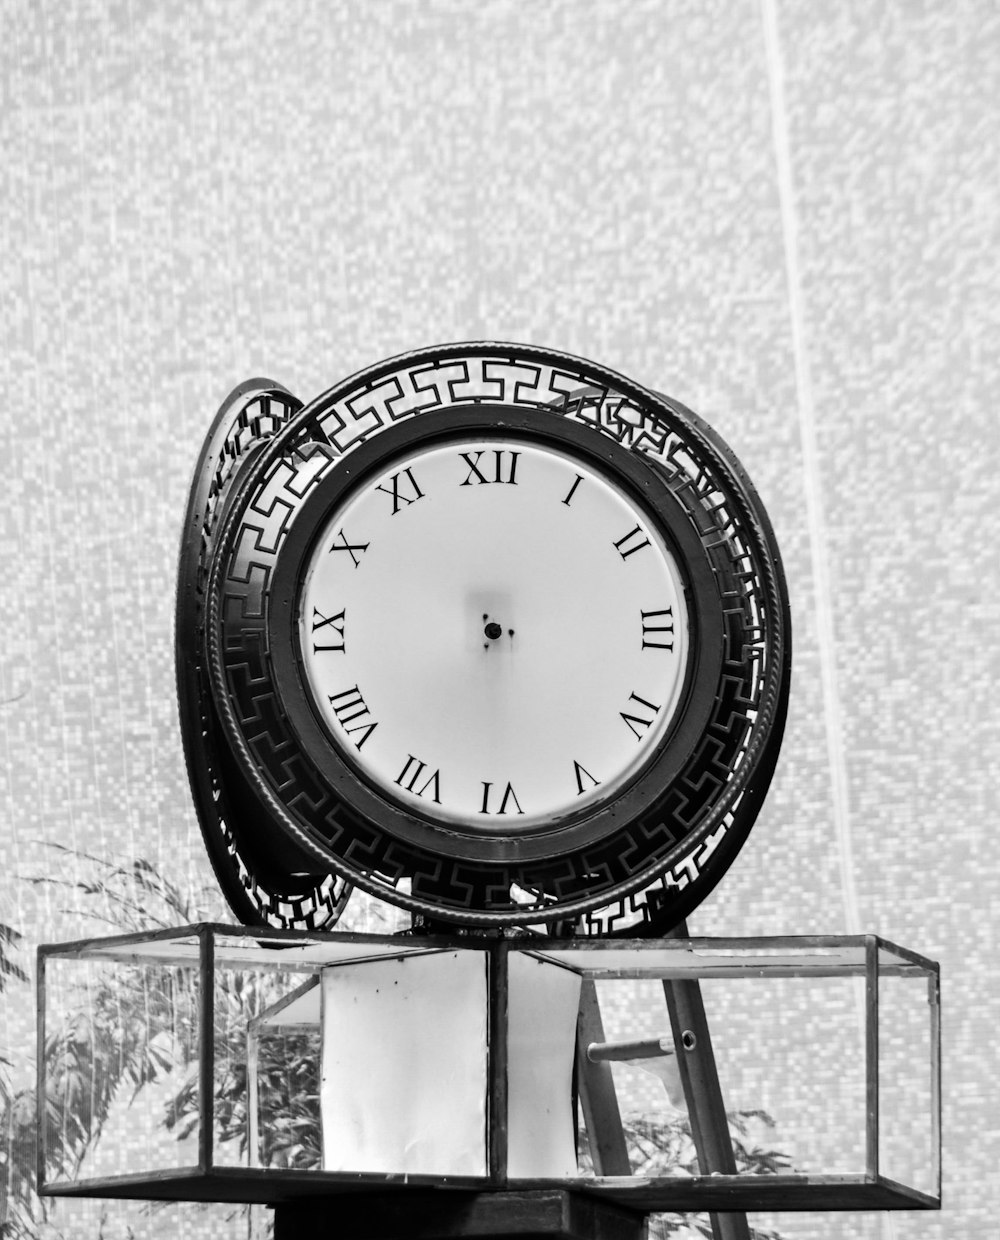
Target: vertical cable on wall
815	513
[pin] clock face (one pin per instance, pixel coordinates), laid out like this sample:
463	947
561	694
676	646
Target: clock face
493	633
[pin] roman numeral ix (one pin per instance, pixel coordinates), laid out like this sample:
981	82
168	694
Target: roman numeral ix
505	462
335	625
402	493
350	706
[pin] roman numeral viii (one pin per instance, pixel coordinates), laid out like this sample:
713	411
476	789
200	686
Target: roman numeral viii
504	462
633	541
405	492
635	722
334	626
412	772
658	629
350	706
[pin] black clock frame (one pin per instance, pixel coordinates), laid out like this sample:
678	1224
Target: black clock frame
263	877
654	867
563	833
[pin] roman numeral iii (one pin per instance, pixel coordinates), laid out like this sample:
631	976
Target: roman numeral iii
658	629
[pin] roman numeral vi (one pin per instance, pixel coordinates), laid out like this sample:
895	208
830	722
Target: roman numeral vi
508	796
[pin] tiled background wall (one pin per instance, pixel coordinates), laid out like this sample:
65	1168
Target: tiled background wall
784	214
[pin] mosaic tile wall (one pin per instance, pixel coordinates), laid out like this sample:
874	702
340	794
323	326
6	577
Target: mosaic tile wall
785	215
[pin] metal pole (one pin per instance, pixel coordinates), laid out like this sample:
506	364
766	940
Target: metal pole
702	1091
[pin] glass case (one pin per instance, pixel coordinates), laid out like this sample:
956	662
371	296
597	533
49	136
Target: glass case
214	1063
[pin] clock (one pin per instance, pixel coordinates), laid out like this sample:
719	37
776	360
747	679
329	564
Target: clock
499	636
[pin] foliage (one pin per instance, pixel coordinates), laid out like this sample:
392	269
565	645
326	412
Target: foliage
9	968
665	1147
98	1049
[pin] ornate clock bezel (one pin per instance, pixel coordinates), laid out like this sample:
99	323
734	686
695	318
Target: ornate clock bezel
640	879
565	832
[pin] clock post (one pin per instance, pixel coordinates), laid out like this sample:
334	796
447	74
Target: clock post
500	637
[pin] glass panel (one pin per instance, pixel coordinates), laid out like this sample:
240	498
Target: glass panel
905	1087
790	1058
121	1048
267	1054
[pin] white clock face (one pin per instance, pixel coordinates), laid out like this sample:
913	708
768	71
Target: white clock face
493	633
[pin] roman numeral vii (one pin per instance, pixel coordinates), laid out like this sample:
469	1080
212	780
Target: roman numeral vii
412	772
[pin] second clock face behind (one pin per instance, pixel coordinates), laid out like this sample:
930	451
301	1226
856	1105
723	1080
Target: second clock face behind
493	632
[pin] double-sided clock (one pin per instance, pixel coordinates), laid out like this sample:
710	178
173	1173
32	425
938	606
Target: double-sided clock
487	630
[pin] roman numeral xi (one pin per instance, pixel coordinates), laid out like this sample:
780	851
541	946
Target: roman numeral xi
405	492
